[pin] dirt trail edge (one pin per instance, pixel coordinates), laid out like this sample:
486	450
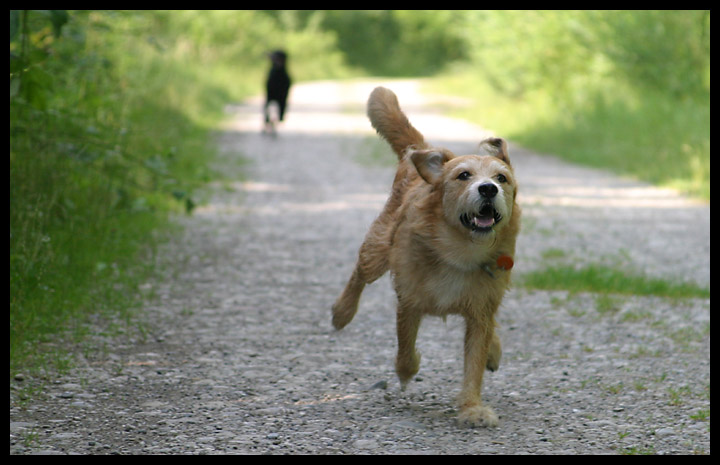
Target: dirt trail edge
241	357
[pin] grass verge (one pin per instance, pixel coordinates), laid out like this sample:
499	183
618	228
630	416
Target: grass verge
606	280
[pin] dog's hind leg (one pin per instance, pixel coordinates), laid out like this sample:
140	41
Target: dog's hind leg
347	304
494	353
372	263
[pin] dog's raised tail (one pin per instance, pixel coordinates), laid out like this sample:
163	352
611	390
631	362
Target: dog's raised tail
391	123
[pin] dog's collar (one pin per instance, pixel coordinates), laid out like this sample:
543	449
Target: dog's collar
504	262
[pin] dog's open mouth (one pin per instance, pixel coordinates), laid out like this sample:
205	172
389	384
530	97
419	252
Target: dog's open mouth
481	221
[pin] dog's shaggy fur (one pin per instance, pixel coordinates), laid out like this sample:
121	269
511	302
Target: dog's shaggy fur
447	234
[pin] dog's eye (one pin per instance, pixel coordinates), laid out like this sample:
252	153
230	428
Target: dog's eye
464	176
501	178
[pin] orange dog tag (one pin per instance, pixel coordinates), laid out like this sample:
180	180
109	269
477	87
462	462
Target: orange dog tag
505	262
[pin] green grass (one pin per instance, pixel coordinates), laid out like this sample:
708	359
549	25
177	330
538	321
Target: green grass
606	280
644	134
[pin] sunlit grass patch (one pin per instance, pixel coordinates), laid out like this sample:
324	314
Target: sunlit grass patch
608	280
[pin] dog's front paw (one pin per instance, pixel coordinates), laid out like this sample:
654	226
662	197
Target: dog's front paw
477	415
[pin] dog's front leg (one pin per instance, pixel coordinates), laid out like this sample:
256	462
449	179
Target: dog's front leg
407	362
478	338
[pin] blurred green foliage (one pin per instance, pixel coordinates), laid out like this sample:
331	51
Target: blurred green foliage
398	42
521	51
111	114
627	91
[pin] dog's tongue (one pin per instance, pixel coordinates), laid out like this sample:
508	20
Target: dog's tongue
483	221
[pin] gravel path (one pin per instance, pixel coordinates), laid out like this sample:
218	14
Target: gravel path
240	356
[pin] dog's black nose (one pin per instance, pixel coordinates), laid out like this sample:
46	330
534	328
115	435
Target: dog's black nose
488	190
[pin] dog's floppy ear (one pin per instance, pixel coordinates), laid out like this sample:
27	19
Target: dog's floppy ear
496	147
429	164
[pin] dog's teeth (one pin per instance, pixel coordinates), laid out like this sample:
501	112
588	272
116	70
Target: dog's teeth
483	221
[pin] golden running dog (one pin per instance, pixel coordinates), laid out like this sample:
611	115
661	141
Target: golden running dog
447	234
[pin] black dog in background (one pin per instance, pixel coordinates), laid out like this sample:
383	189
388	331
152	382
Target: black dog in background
276	89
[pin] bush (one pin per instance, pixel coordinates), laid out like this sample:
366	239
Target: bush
624	90
397	43
523	51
